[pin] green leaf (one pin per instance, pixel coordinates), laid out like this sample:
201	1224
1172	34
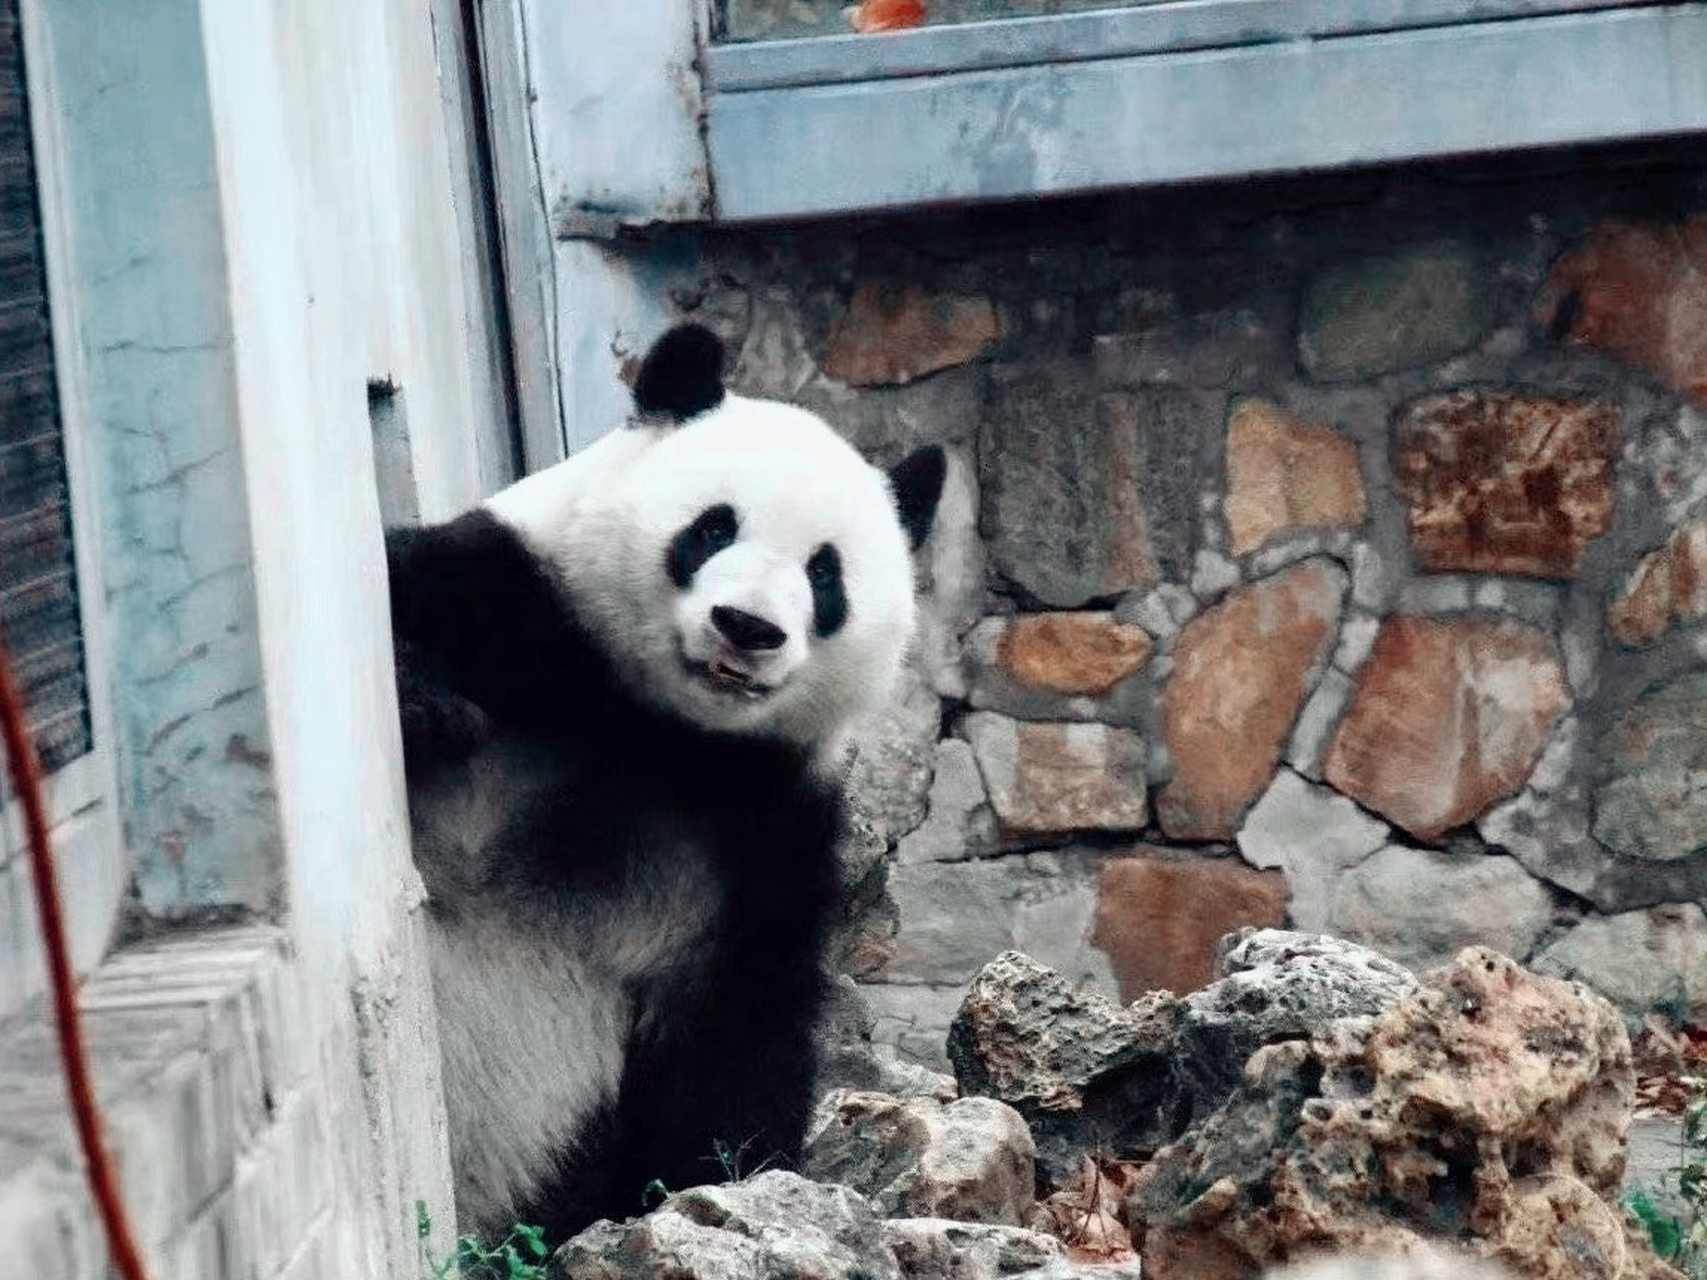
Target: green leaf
1663	1231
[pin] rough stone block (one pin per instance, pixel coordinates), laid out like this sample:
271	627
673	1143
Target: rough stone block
1653	804
955	916
1639	293
969	1160
914	1020
1071	653
1051	780
1240	676
1313	835
1284	474
895	333
1394	311
960	823
1668	587
1060	471
1449	717
1059	666
1225	350
1642	961
1159	917
938	1249
1421	907
890	774
1505	483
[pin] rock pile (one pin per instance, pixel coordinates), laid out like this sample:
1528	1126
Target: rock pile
1316	1107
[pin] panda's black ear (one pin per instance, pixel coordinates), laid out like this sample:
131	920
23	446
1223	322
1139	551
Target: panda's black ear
917	482
682	375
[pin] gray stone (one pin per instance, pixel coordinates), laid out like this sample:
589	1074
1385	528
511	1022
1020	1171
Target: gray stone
1374	579
1223	351
1396	311
1419	1264
1050	780
951	578
970	1160
849	1058
954	918
1642	961
1654	804
1301	544
1437	593
1212	576
1161	611
1549	835
959	823
1085	1073
1317	722
1054	917
1357	640
773	1225
1059	470
913	1020
1677	460
1314	835
1279	985
940	1249
1537	603
1422	906
889	776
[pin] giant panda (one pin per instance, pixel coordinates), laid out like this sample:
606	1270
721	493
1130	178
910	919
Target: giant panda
623	682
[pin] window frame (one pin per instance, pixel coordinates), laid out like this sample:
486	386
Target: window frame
1081	102
81	795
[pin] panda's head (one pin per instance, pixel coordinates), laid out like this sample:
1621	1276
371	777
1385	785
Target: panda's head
741	564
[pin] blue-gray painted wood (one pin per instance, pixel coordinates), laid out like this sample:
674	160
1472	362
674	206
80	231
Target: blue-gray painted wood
1086	126
1112	33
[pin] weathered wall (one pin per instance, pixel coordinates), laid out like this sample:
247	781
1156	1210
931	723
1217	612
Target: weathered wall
1326	549
264	212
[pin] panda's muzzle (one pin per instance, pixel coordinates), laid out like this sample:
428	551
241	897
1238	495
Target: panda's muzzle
727	678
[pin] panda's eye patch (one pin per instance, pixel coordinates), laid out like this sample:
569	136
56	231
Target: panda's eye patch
713	530
829	595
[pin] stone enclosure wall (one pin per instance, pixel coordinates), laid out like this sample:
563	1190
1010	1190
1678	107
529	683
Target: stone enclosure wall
1330	550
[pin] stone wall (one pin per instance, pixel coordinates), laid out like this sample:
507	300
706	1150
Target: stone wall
1331	550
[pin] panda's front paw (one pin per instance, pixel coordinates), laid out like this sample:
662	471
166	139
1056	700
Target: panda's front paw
439	725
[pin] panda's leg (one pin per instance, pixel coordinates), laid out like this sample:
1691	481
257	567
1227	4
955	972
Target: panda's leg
727	1093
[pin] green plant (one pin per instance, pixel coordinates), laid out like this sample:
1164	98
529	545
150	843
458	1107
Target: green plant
521	1255
1682	1241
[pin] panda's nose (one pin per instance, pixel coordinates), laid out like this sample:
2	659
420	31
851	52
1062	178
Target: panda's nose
747	630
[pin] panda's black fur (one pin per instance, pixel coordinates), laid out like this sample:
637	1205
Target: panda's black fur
585	794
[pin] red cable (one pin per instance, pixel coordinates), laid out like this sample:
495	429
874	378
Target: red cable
25	769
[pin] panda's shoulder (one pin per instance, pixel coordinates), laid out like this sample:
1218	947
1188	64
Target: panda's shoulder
481	634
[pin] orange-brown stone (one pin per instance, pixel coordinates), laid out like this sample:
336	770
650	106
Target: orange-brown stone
1284	473
1237	685
1072	653
1449	716
891	335
1668	587
1158	918
1504	483
1639	293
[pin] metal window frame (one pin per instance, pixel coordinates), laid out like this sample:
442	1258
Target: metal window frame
1184	91
82	795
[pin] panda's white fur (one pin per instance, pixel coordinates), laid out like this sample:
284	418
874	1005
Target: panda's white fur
604	518
620	806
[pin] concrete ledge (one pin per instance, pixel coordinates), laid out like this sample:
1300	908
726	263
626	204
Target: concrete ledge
211	1106
1006	132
